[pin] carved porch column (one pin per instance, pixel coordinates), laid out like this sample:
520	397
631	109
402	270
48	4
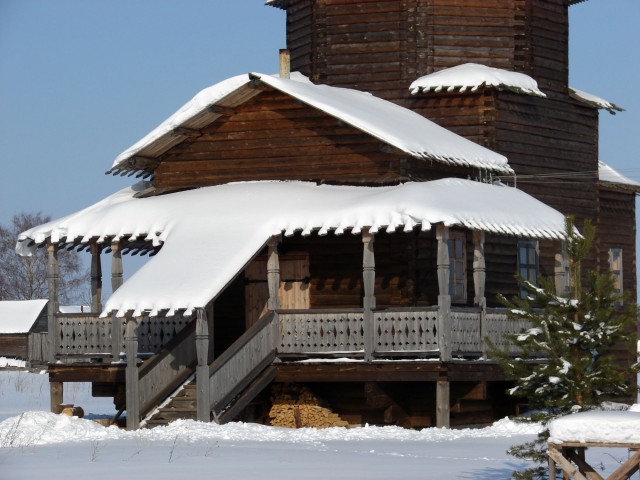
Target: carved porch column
444	299
561	274
116	282
53	274
369	300
273	273
479	282
131	374
203	399
96	278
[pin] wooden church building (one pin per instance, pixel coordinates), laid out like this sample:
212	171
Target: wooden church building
338	234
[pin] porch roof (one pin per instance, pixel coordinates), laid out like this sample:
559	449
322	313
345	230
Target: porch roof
397	126
210	234
18	316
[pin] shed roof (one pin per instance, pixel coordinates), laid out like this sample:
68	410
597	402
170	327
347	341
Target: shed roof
390	123
220	228
471	77
594	101
608	174
18	316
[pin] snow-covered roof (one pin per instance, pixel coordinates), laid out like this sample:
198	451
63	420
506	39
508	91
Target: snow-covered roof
472	76
594	101
609	175
18	316
395	125
597	426
220	228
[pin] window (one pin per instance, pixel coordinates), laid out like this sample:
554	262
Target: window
528	262
615	265
457	267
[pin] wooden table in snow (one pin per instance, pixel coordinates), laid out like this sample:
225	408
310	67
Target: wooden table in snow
570	457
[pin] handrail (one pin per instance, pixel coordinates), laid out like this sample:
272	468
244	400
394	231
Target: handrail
169	368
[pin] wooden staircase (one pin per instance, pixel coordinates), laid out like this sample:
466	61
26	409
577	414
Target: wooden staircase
237	376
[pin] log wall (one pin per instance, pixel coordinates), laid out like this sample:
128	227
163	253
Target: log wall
382	46
14	345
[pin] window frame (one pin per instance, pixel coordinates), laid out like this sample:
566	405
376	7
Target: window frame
529	265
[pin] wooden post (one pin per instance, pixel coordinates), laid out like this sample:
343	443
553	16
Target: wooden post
203	401
53	273
442	403
444	299
96	278
369	300
56	393
131	374
116	281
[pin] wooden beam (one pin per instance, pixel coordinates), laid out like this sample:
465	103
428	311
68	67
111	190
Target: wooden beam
116	265
627	469
561	275
285	63
96	278
53	272
132	375
219	110
369	300
578	458
203	398
56	390
567	467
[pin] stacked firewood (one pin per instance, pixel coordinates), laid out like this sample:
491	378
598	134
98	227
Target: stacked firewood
294	406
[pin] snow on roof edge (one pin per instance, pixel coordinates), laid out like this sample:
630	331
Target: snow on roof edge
594	100
471	77
187	234
608	174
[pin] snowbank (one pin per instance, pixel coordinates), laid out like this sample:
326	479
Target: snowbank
597	426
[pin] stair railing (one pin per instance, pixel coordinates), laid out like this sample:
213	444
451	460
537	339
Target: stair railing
243	361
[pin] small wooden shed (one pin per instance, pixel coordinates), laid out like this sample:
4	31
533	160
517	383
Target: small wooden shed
22	324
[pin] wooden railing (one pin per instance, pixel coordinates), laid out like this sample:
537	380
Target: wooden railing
86	334
396	331
168	369
466	330
239	364
320	331
405	331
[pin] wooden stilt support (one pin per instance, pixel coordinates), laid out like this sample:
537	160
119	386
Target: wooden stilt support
56	392
131	375
443	408
203	402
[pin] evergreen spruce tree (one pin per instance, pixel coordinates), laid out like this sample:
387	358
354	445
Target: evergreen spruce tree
563	362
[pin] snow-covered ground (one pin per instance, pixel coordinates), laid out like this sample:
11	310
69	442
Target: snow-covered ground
38	444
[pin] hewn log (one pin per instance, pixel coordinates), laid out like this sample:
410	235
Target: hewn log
116	266
479	268
273	273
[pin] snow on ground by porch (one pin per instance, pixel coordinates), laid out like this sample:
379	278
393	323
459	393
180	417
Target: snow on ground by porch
597	426
38	444
471	77
18	316
210	233
400	127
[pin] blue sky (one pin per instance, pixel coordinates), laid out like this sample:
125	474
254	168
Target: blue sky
82	80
